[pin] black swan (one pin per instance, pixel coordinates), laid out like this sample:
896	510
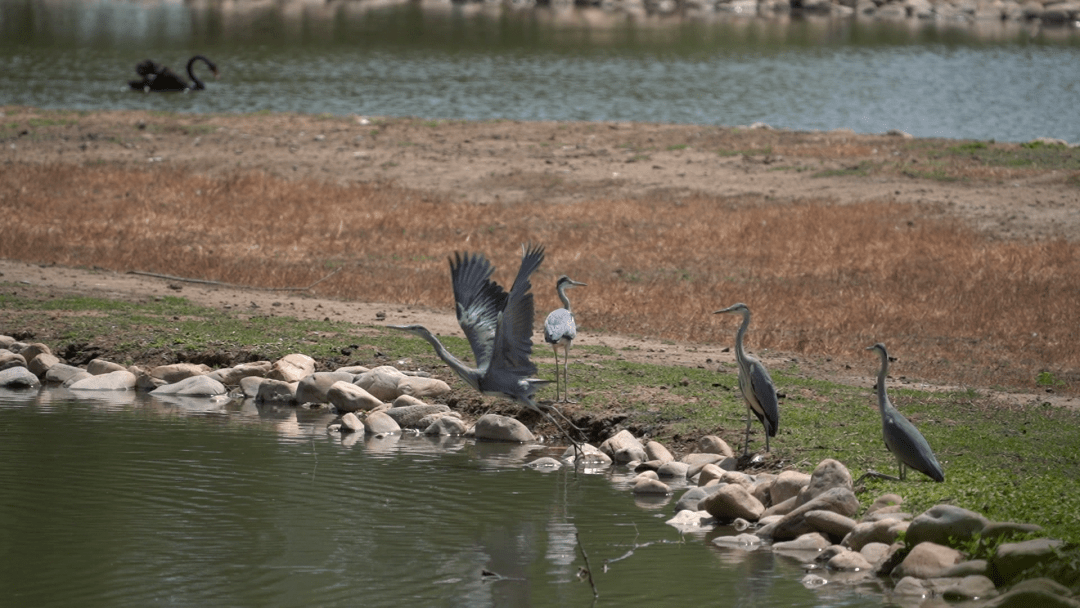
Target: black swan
161	79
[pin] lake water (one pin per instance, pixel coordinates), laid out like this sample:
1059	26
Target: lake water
1009	82
127	500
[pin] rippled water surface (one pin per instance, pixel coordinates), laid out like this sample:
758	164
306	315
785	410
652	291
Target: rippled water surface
126	500
1009	82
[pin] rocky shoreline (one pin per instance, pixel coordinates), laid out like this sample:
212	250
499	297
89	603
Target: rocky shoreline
945	552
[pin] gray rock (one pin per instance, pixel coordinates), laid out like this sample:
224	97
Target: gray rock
314	388
850	561
590	456
689	522
404	400
887	513
9	359
911	586
927	560
762	488
828	474
969	568
700	459
176	372
875	553
249	385
973	587
494	427
292	368
833	524
61	372
654	450
732	501
672	469
347	397
231	376
446	425
100	367
410	416
709	472
651	486
422	388
275	391
623	447
378	423
351	423
871	532
711	444
941	522
1011	559
6	341
382	382
80	375
690	499
18	377
40	364
119	380
787	484
30	351
1040	592
1006	530
737	477
781	509
544	463
192	386
812	542
741	541
882	502
838	500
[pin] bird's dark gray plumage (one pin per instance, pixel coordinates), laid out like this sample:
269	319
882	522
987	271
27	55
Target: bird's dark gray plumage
498	325
901	437
157	78
560	330
755	384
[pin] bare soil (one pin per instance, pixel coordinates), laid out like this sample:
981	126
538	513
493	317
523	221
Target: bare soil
549	163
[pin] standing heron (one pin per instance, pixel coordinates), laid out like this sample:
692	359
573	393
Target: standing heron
754	382
498	326
560	330
901	437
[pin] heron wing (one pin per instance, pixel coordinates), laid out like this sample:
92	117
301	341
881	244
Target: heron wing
558	325
765	391
909	446
478	301
513	335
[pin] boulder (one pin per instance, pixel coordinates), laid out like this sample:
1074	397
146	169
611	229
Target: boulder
422	388
927	560
446	425
176	372
940	523
410	416
688	522
781	509
61	372
623	447
378	423
1011	559
732	501
850	561
741	541
351	423
1041	592
690	499
711	444
292	368
119	380
971	587
347	397
81	374
832	524
787	484
249	385
381	381
828	474
709	472
969	568
494	427
654	450
883	501
812	542
192	386
30	351
275	391
10	359
875	553
672	469
1006	530
100	367
231	376
651	486
18	377
314	388
40	364
838	500
882	531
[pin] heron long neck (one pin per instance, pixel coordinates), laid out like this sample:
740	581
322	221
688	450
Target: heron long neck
882	396
465	372
740	354
562	295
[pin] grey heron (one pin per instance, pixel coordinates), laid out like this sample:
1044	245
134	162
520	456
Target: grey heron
560	330
901	437
754	382
498	325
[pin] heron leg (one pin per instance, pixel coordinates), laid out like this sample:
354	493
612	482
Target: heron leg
566	375
873	473
555	349
903	472
749	421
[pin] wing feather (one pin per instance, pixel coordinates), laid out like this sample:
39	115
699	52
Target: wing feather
765	391
478	302
513	334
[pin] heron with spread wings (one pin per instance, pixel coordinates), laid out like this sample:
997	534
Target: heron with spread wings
498	325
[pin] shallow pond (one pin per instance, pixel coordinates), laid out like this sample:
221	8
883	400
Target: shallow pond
1004	81
128	500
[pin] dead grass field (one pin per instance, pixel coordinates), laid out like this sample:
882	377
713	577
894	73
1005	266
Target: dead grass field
821	278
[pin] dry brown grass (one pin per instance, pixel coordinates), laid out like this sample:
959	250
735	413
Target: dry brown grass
820	279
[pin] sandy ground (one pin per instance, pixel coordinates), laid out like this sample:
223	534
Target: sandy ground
505	161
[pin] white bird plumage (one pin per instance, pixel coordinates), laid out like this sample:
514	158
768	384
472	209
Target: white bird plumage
560	329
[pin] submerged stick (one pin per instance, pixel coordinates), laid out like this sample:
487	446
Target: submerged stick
588	568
